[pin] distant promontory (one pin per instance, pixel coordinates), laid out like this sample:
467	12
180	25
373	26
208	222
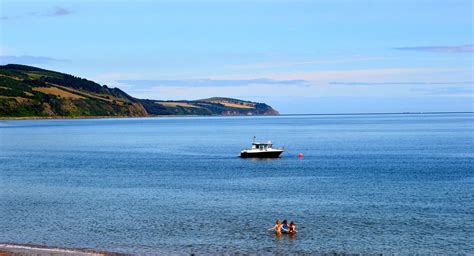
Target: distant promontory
32	92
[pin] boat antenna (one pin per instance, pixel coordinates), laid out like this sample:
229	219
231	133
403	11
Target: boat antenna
253	139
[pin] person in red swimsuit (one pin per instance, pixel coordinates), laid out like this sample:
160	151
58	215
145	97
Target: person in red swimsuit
292	228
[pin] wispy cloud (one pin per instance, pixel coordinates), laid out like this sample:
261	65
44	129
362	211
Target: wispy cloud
288	84
349	75
281	64
458	91
441	49
52	12
60	11
210	82
403	83
26	59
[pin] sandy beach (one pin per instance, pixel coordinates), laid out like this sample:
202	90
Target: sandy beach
23	249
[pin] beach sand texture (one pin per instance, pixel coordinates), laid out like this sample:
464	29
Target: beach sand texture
19	249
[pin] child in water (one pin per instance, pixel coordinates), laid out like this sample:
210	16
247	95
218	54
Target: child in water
284	226
292	228
277	227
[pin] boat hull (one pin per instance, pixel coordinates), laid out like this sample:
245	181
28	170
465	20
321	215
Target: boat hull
264	154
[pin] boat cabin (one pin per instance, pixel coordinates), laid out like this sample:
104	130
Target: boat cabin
262	146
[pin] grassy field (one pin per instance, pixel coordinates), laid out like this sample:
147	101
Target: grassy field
175	104
235	105
58	92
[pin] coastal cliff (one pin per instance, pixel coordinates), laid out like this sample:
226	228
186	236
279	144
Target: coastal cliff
27	91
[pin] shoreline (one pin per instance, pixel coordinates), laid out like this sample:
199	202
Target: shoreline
78	117
33	249
164	116
112	117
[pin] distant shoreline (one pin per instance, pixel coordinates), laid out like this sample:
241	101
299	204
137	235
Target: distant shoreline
383	113
158	116
76	117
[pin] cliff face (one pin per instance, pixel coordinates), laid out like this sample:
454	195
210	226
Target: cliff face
27	91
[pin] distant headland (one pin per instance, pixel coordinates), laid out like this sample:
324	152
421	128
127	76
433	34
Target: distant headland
31	92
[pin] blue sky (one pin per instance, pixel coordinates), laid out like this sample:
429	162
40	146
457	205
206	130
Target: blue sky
298	56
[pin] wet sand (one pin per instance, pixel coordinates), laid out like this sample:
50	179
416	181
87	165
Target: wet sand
25	249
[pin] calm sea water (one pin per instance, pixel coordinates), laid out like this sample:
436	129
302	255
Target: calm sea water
366	184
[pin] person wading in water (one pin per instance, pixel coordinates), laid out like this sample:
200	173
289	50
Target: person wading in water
277	227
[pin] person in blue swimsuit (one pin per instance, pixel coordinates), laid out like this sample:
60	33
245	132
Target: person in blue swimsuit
284	226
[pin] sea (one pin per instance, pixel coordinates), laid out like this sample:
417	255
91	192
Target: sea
366	184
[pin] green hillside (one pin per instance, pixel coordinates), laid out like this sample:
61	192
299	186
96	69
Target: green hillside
217	106
27	91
